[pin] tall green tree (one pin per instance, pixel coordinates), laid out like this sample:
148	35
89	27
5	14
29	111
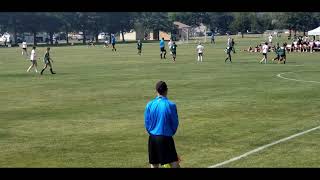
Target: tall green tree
241	23
155	21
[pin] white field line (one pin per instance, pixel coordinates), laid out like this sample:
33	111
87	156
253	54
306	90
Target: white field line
273	143
263	147
280	76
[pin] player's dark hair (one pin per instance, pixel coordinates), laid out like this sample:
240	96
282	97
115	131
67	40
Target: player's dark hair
162	38
48	48
33	47
161	87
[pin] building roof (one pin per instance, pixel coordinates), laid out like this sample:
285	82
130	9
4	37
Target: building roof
181	25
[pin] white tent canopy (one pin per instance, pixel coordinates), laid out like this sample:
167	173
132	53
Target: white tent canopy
315	32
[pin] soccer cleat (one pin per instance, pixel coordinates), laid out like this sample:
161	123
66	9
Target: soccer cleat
52	71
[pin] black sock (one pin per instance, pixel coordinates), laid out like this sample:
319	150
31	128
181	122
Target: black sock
52	71
42	71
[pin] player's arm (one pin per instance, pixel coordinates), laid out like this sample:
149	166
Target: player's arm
175	119
147	117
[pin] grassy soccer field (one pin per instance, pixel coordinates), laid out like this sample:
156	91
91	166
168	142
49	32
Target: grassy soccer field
90	114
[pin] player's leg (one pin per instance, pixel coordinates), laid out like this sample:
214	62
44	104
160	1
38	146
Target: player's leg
198	57
265	59
30	67
201	57
262	60
51	69
226	58
35	65
230	57
44	68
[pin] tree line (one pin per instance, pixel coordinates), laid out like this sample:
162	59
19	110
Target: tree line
92	23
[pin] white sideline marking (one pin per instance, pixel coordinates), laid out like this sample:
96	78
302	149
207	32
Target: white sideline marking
295	65
279	75
263	147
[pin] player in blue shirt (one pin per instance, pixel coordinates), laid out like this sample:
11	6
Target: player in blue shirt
162	48
113	42
161	122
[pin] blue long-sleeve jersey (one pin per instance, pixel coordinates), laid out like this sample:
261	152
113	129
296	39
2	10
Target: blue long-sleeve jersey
161	117
113	40
162	44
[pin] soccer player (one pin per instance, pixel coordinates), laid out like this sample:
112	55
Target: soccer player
228	51
24	48
33	59
270	39
200	49
265	49
113	42
169	45
277	53
139	47
212	38
163	50
229	42
173	49
232	46
46	60
161	122
282	54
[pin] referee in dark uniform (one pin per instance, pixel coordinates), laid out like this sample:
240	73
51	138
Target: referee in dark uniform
161	122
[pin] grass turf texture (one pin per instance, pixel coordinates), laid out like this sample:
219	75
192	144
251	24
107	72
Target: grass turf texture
90	114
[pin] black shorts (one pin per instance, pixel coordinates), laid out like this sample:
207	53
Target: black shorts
200	54
161	150
174	53
265	54
163	49
24	49
113	44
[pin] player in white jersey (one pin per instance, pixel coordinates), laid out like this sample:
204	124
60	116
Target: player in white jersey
265	49
200	49
229	42
270	39
170	43
33	59
24	48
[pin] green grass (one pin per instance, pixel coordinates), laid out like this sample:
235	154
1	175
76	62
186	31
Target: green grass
90	114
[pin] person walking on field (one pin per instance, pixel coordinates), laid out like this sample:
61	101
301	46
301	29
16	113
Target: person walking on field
33	59
173	50
265	49
200	49
24	48
139	47
163	50
161	123
46	60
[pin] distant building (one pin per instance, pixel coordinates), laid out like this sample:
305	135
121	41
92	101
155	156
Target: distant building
198	31
181	32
